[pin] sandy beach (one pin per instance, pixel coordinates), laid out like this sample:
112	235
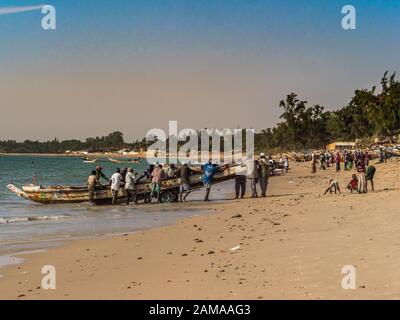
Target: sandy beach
290	245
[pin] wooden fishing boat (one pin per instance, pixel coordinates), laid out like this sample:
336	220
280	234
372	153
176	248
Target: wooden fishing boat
90	161
77	194
114	160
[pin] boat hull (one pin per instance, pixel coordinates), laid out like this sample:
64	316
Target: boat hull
103	195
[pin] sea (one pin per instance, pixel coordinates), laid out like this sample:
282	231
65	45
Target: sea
26	226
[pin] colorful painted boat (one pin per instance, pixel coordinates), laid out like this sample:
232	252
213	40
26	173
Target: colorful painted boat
78	194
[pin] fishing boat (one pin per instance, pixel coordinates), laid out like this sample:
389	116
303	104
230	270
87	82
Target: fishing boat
90	161
114	160
135	160
77	194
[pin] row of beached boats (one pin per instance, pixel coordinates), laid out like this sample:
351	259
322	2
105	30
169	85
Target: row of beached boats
77	194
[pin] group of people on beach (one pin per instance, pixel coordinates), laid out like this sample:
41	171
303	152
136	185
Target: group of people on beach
155	174
359	159
257	172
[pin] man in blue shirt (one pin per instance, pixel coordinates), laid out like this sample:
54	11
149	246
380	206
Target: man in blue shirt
209	170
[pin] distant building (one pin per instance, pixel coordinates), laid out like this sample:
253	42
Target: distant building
337	146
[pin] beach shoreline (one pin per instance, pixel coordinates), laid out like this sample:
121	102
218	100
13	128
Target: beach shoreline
80	155
290	245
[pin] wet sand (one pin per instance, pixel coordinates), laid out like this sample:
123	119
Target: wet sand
292	245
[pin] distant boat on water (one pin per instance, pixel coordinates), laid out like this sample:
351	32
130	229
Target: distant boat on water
114	160
90	161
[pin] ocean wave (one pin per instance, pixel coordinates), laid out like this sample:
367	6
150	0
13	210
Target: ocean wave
8	220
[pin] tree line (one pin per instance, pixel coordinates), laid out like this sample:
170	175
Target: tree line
369	113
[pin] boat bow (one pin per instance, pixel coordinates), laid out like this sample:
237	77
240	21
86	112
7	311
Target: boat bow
17	191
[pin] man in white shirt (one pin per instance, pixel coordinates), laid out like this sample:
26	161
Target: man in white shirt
116	179
130	181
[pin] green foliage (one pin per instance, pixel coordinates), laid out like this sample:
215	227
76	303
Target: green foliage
367	114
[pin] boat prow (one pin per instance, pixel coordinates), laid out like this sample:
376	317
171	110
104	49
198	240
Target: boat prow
17	191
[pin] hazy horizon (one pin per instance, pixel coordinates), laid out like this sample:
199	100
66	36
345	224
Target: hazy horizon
131	66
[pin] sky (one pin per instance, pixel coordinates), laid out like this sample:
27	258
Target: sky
133	65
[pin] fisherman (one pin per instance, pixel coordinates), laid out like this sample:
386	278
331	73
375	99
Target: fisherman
184	173
264	174
130	185
240	182
116	180
100	174
253	174
369	176
333	186
147	173
147	176
209	170
172	171
123	174
91	183
157	175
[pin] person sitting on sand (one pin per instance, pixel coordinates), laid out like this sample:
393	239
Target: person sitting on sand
353	184
369	176
333	186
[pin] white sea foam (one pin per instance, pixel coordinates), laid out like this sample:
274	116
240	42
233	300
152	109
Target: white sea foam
8	220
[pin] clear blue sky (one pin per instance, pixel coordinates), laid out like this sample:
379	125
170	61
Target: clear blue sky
228	62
